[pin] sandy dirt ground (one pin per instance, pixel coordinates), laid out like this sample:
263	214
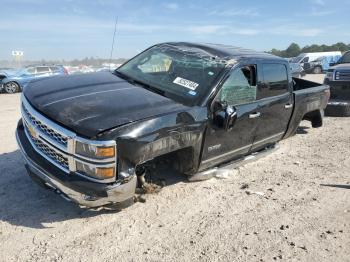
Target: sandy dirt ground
293	205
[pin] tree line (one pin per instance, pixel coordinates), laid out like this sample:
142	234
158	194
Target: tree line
294	49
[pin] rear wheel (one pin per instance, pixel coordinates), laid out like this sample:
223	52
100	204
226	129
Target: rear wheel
317	70
11	87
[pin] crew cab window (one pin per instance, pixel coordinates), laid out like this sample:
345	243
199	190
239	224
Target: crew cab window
240	87
275	80
42	69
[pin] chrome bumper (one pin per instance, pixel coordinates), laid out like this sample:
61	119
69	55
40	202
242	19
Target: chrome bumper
116	193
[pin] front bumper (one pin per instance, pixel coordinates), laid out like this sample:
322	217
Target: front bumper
79	190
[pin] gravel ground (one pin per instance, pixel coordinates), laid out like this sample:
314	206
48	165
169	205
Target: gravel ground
293	205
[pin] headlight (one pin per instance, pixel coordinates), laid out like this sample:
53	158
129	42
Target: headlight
97	159
103	150
97	172
329	75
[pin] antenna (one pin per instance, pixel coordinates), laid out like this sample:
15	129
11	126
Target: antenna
115	30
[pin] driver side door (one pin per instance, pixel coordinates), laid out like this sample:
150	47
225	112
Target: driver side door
239	93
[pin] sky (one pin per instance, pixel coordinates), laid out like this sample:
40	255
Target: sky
69	29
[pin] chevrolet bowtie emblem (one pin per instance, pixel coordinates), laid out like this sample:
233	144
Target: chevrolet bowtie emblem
32	131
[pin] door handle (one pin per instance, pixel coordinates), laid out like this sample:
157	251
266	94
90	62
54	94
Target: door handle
255	115
286	106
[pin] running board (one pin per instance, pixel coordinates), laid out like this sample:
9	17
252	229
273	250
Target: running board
207	174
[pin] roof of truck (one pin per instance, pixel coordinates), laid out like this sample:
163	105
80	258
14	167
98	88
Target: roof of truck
226	51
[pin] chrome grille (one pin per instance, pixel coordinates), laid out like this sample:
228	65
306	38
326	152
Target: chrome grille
342	75
45	129
48	151
57	144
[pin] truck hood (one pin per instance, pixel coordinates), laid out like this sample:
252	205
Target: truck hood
341	66
92	103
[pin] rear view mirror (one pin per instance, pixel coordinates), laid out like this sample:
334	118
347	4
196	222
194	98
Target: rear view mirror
224	116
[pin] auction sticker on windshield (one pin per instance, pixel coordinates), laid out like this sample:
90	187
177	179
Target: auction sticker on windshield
186	83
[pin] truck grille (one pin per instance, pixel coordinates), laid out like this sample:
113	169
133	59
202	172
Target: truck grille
342	75
57	144
45	129
48	151
306	66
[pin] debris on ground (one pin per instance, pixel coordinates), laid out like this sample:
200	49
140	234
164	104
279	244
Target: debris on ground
248	192
244	186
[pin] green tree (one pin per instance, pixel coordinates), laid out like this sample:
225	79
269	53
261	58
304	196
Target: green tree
293	50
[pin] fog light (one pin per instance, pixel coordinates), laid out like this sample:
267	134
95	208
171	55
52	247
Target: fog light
104	173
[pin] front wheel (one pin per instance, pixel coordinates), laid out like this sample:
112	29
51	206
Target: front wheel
11	87
317	70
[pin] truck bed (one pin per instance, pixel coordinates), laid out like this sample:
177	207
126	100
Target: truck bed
310	99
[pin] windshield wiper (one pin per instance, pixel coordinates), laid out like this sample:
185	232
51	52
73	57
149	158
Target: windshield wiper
150	88
124	76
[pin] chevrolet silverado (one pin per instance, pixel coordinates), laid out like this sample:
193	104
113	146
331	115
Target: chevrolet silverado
92	138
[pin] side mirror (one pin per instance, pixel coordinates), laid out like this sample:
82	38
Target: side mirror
224	116
332	64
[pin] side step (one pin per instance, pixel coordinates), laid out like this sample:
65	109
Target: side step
210	173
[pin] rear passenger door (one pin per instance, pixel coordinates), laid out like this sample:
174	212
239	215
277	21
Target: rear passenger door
275	103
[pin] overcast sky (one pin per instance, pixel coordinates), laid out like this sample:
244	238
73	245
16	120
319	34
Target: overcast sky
67	29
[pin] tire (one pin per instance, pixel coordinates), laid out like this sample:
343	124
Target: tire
338	108
11	87
317	70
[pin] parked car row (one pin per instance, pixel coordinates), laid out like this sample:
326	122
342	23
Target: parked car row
12	81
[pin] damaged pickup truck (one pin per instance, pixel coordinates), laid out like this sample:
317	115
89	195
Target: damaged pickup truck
92	138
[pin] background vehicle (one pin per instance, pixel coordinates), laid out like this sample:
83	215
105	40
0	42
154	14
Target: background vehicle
338	78
15	81
193	106
320	65
296	70
308	57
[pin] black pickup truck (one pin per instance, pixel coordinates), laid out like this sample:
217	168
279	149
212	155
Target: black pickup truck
92	137
338	78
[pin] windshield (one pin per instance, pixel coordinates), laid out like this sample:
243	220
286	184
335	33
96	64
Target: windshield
184	74
297	59
345	58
